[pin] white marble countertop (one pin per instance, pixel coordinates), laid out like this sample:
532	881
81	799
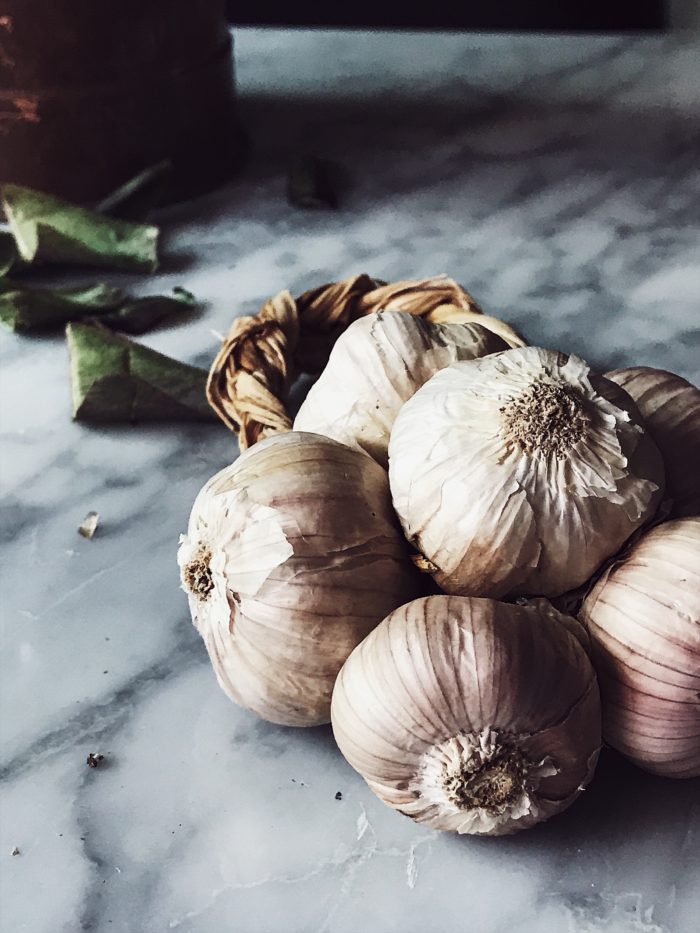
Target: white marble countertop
558	179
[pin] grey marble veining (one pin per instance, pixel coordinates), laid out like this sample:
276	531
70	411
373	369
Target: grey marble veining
559	180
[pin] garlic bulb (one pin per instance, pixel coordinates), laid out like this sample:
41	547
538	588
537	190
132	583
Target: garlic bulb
470	714
520	473
292	555
375	366
643	616
670	407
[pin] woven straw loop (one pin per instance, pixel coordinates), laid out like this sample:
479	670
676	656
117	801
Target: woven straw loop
250	378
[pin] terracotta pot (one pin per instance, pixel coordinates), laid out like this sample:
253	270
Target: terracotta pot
92	93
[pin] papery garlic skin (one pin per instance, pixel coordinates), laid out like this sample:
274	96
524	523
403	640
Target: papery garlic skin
643	616
520	473
292	555
375	366
670	406
469	714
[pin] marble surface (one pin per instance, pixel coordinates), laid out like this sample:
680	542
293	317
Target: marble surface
557	178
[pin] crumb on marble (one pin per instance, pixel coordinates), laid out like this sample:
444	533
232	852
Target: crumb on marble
16	851
94	760
88	526
339	795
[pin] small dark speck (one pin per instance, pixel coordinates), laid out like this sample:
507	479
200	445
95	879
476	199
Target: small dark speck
94	761
106	637
339	795
294	780
301	783
105	672
16	851
82	838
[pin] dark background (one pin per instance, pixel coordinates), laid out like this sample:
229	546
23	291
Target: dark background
559	15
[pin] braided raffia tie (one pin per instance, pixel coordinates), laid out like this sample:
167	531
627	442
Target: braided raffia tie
261	356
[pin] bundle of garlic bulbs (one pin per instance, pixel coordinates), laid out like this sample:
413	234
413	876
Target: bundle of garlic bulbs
514	473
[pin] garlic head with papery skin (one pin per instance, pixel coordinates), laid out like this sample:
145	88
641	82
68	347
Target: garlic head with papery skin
520	473
670	406
643	617
375	366
292	555
471	715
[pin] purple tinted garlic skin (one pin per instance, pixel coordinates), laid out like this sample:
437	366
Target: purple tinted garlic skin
643	618
471	715
292	555
670	407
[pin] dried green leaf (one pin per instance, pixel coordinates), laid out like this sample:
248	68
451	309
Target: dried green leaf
141	314
48	229
311	183
117	380
24	309
8	252
134	198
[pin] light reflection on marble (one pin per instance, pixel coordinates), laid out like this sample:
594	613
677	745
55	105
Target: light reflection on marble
558	179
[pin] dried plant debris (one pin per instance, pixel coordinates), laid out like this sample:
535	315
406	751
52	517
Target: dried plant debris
94	760
313	183
47	229
25	309
117	380
133	199
88	526
138	315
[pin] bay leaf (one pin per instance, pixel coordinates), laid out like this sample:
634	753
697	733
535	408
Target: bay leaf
138	315
49	229
115	379
8	252
24	309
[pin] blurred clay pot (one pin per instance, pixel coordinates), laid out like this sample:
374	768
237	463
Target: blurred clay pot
92	93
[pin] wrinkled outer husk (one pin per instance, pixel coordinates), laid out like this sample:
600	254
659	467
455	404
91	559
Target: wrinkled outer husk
643	617
302	558
443	683
378	364
670	407
509	489
250	378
